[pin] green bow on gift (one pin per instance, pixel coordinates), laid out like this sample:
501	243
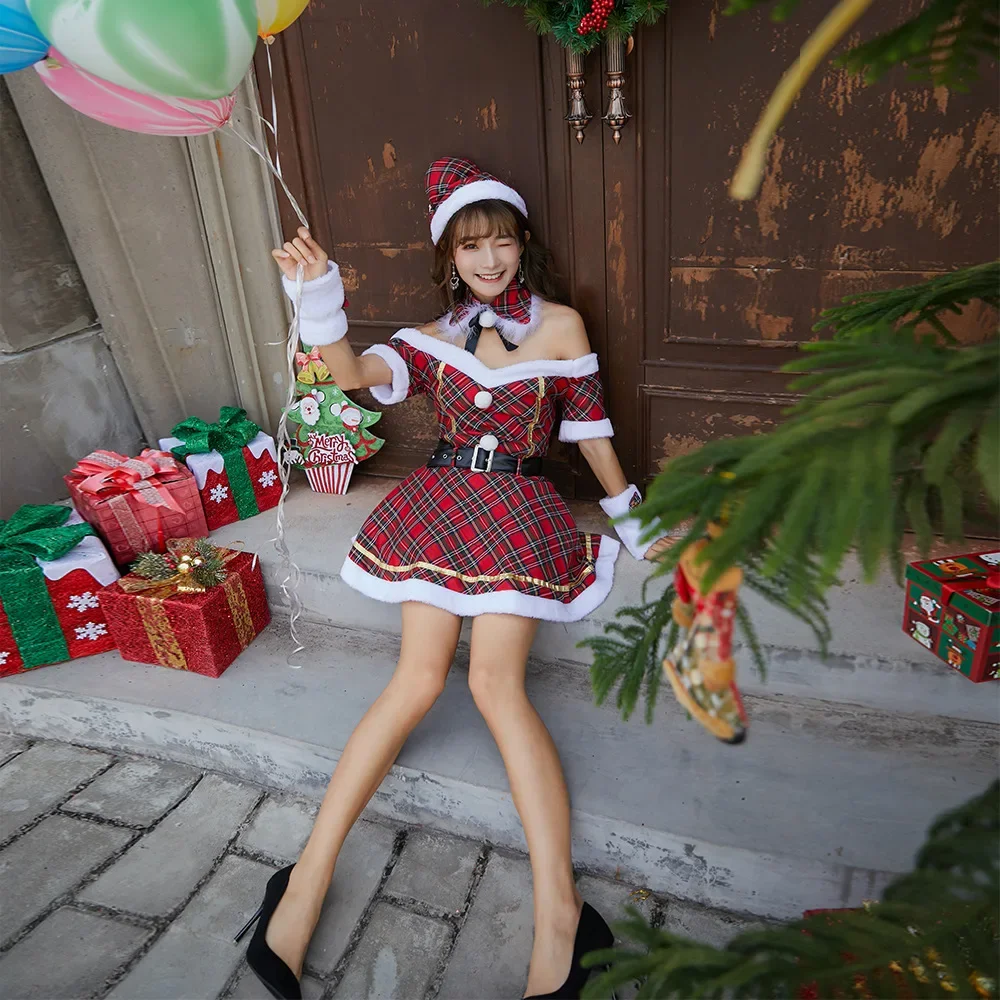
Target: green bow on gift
36	531
233	431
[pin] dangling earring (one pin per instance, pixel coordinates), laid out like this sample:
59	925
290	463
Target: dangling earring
520	271
454	281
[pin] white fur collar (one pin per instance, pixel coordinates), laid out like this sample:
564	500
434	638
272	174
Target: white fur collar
509	329
468	364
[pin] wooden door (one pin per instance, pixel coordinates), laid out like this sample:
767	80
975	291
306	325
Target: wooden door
368	96
865	188
692	301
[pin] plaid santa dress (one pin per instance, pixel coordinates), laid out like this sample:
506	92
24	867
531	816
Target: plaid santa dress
478	543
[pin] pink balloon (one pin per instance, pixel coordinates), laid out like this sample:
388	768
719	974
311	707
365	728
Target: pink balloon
114	105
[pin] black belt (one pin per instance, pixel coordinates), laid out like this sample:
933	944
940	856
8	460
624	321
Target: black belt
478	459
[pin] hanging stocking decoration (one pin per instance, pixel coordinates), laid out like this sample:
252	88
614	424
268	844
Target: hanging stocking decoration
701	668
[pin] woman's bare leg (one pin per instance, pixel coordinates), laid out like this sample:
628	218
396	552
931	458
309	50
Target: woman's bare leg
430	636
500	646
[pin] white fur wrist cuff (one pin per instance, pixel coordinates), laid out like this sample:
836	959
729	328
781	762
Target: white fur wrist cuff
396	390
322	319
629	531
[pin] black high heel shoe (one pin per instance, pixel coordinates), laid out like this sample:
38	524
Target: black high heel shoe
592	934
269	969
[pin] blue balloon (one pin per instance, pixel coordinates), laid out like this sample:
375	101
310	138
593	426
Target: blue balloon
21	43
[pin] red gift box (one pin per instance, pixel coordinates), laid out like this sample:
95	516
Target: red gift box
220	497
200	632
953	609
136	504
49	610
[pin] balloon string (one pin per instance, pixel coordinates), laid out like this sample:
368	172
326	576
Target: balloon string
273	123
266	160
291	573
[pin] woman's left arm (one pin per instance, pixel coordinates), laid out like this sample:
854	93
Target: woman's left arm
584	407
601	457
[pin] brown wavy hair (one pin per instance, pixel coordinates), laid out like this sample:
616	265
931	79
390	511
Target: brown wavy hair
495	218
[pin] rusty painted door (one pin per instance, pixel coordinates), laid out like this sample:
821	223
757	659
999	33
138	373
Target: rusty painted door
692	302
368	96
865	188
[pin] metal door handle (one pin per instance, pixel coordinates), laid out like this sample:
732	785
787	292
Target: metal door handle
617	114
579	114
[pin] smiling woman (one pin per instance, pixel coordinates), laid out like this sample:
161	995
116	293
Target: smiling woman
479	532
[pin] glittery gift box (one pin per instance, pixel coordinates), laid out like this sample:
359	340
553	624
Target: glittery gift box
199	632
49	608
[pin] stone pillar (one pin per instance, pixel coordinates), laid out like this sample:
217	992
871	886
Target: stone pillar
61	391
131	213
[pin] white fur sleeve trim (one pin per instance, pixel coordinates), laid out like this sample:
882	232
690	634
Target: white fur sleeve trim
322	319
630	531
469	194
394	392
585	430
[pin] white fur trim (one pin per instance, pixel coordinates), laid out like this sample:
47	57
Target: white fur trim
490	378
322	319
90	555
630	531
400	386
200	465
469	194
212	461
502	602
513	332
585	430
261	443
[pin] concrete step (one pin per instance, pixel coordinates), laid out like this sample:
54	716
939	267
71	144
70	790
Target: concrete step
821	805
871	662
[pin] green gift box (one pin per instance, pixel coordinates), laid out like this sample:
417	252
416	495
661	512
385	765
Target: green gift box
953	609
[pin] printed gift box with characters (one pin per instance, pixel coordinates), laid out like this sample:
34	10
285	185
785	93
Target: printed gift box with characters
234	463
195	607
52	568
953	609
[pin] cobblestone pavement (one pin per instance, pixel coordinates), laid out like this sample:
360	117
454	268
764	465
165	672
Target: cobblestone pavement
127	877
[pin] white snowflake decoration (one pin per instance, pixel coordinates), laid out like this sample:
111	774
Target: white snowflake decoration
4	657
268	478
92	631
84	601
219	493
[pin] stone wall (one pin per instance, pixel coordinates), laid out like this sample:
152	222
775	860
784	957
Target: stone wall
61	391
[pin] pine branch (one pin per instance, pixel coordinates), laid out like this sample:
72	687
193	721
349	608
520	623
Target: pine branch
941	45
561	19
861	316
629	653
890	427
934	935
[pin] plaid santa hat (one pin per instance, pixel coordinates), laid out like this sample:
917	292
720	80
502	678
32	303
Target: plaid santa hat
453	183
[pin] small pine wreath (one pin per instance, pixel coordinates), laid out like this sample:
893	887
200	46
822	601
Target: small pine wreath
204	561
581	25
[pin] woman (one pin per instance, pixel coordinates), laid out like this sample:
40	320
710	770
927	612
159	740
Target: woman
478	532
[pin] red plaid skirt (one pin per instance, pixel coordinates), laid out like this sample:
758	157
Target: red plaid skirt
476	544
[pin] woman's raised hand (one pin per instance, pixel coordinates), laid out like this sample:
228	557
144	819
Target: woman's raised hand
302	250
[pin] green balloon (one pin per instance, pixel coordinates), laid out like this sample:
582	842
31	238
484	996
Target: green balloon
197	49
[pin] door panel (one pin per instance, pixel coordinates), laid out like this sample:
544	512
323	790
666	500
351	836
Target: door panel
692	301
387	90
865	188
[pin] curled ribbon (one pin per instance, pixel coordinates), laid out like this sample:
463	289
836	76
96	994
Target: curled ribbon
106	473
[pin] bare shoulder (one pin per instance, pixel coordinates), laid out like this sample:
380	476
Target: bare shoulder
564	331
430	330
